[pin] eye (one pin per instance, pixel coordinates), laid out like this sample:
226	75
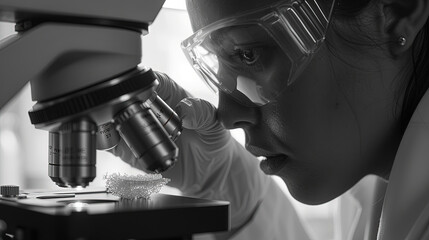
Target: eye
249	56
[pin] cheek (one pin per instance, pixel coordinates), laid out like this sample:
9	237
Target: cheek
316	125
319	121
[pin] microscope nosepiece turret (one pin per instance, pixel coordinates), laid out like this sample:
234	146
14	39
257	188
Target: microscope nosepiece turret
128	105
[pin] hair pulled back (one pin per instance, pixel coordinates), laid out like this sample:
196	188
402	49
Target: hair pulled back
414	88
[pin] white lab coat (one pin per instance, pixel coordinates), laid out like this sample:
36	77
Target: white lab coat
359	209
356	217
405	213
275	219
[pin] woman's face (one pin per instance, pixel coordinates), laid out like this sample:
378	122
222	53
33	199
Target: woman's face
335	124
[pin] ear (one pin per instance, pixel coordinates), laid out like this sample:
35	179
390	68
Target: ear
405	19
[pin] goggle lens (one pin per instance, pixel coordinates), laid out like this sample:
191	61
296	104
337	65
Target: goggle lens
254	57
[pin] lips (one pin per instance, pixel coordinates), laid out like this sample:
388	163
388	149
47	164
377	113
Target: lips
273	165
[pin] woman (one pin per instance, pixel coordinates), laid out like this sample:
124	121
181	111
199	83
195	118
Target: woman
324	114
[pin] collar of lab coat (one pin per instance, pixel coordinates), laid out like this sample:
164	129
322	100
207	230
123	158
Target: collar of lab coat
405	213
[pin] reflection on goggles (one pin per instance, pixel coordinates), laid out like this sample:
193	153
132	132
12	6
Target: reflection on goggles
253	91
259	53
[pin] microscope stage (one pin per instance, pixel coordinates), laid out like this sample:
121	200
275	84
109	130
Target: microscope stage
100	215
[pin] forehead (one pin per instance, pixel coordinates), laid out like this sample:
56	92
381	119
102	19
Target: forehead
204	12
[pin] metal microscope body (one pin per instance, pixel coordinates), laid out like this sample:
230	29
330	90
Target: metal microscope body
86	29
81	58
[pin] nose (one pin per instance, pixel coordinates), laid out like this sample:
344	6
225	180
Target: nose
235	115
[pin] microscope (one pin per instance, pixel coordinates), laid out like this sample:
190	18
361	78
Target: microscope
81	59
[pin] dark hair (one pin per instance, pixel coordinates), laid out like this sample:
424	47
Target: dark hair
413	89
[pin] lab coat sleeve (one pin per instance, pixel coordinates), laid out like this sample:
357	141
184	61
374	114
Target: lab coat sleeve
259	208
275	219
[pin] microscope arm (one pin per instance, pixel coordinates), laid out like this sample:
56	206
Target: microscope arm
59	58
8	89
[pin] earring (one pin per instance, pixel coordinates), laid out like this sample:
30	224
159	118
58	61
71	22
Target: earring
402	41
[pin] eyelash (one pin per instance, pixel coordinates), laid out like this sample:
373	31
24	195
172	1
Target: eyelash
240	53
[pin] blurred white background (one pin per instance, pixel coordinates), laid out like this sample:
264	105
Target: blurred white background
24	149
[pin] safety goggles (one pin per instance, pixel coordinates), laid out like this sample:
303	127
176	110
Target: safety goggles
254	56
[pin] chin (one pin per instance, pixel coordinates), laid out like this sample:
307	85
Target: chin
313	192
310	197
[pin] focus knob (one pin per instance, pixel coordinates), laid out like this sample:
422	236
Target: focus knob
9	190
